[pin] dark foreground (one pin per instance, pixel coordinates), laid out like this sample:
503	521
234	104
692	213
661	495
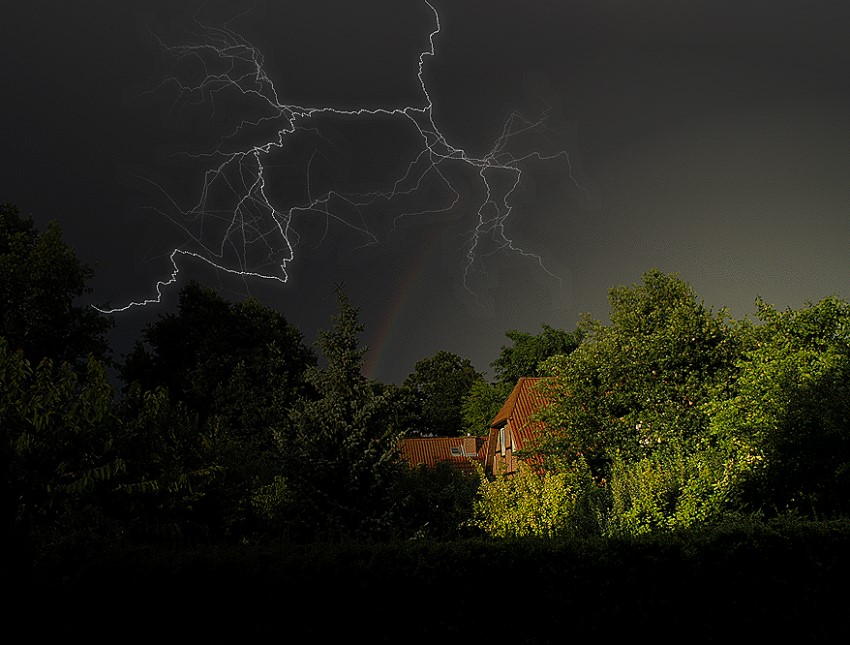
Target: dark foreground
742	584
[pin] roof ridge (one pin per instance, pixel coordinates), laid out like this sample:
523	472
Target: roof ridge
506	411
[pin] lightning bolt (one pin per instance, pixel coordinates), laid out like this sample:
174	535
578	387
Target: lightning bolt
235	226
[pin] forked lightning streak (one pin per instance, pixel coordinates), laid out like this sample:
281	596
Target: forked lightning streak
236	227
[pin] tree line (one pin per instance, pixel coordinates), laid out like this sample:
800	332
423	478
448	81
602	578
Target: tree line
228	427
674	416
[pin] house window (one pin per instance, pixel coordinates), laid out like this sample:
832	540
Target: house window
457	452
502	439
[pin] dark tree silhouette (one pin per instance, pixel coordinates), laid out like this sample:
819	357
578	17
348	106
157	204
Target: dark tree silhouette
340	447
440	384
41	279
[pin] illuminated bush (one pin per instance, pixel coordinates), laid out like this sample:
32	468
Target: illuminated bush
534	504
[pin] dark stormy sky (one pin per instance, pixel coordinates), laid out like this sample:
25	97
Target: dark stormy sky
709	138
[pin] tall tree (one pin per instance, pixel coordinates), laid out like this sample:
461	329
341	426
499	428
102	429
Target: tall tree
237	367
528	353
198	351
440	384
80	466
634	387
41	280
339	447
791	408
631	403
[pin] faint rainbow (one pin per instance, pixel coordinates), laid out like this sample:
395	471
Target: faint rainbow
375	355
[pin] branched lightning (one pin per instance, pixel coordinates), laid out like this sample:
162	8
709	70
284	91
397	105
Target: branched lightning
235	227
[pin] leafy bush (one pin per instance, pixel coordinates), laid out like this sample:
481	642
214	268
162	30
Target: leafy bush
433	502
529	503
677	490
791	402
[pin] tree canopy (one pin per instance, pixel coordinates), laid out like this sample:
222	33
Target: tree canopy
790	403
529	352
213	353
338	447
680	416
42	280
670	416
440	384
635	387
236	367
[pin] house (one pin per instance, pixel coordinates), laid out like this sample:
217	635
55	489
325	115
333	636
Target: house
511	430
460	452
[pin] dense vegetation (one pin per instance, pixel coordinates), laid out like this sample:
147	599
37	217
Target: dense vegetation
679	442
673	416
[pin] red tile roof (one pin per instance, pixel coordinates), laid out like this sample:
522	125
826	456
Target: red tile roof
524	401
432	450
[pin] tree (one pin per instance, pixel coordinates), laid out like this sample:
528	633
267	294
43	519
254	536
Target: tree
170	487
527	355
241	363
83	468
433	502
790	406
41	278
58	433
632	401
196	352
634	387
481	405
237	367
339	447
440	384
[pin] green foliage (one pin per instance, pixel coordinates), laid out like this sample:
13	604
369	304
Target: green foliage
172	469
482	404
528	354
59	447
678	490
685	417
635	388
84	467
633	400
433	503
440	384
232	370
339	448
272	502
538	504
792	403
40	280
671	419
212	352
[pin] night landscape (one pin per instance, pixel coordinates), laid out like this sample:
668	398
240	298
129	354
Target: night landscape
415	321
